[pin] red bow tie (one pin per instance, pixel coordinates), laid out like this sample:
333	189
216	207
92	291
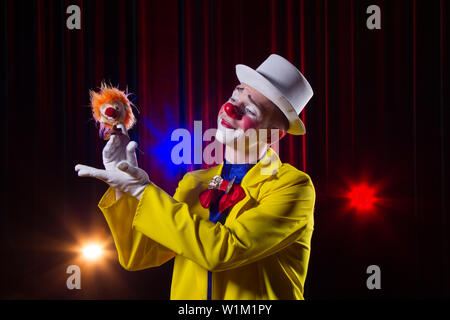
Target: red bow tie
232	193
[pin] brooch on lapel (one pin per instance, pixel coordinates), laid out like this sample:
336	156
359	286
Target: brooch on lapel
229	192
219	183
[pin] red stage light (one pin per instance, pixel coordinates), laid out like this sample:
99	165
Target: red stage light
362	197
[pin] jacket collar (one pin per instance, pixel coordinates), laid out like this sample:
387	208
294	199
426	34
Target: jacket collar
267	167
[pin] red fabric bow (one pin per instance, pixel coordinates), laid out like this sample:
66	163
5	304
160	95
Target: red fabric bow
232	194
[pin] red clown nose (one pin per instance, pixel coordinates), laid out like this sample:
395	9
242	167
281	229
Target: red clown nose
232	111
111	112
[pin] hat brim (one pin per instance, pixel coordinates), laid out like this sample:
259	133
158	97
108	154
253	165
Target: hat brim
257	81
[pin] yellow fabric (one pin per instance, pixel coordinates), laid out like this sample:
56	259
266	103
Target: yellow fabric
262	251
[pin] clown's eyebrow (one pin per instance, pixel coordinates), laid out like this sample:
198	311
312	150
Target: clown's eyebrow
249	96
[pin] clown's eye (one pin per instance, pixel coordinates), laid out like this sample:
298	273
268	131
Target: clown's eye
232	100
250	111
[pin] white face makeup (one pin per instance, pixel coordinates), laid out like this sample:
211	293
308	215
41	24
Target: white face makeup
253	112
247	115
250	109
248	123
227	135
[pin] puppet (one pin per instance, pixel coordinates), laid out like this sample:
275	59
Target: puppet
110	106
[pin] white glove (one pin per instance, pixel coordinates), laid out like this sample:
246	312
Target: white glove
115	150
122	172
124	177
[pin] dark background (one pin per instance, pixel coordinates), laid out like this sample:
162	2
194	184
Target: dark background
379	116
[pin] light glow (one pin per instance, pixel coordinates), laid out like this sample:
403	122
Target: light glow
362	197
92	251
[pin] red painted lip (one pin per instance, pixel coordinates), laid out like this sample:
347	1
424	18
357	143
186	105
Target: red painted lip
226	124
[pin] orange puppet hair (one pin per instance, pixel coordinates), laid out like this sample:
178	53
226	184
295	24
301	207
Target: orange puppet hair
109	94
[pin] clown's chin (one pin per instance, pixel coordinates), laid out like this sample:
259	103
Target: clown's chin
228	136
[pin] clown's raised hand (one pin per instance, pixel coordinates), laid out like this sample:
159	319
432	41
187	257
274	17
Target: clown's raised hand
115	150
121	167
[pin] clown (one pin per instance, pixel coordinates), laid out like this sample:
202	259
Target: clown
110	107
239	230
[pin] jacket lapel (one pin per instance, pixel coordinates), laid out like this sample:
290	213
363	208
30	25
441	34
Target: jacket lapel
266	168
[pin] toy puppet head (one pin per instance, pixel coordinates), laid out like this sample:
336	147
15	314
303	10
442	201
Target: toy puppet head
110	106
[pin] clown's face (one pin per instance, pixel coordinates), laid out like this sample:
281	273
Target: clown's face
246	109
112	112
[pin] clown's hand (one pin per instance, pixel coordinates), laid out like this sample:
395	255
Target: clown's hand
125	177
119	148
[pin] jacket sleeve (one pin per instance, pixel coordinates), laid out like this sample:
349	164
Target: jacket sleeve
280	218
135	250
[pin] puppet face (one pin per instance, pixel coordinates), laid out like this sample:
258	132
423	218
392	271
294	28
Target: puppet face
112	112
246	109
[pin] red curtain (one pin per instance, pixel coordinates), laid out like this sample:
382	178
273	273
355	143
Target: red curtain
379	115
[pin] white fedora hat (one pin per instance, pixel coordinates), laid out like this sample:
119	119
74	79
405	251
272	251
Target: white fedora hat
283	84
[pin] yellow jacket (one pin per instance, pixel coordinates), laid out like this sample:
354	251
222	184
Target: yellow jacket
262	251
